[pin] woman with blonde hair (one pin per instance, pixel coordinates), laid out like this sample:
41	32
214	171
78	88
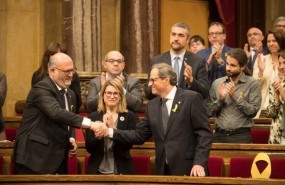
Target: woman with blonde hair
108	156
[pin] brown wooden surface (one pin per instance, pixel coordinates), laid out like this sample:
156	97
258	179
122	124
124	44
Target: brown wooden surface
130	179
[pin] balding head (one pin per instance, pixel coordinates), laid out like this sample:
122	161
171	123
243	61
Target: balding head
61	69
254	35
114	63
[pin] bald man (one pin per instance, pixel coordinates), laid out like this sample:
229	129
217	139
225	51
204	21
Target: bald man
114	64
254	46
43	139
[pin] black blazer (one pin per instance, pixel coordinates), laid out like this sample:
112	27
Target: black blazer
42	141
122	156
188	136
199	71
75	86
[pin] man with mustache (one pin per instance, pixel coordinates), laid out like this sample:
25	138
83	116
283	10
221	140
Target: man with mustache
234	99
190	69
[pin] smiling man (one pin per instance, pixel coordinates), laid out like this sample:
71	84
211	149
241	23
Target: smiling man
114	64
178	122
43	139
234	100
190	69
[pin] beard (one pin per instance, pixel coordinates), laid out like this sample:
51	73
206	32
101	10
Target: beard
233	74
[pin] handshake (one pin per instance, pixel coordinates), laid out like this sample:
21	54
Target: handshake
100	129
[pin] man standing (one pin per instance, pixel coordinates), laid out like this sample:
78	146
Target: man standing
43	139
234	100
279	23
190	69
114	64
253	46
178	122
216	54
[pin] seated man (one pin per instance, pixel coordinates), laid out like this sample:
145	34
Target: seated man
114	63
234	99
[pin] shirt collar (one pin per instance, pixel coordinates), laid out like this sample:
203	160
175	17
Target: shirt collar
181	56
171	94
242	78
59	88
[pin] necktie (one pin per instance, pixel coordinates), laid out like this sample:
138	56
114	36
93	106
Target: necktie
176	67
164	114
63	93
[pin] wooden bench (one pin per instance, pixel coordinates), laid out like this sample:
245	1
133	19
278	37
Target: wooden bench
225	151
130	179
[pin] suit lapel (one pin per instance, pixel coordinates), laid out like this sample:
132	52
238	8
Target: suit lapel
121	120
175	109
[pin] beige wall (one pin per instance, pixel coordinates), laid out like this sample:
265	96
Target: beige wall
20	44
192	12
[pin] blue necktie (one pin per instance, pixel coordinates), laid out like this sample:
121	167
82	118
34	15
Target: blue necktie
176	67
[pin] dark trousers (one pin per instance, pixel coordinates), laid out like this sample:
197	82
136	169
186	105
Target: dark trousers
234	138
21	169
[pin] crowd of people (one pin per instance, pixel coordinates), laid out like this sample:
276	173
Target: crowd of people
184	89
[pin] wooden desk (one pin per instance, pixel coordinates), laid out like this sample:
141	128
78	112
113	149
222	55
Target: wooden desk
129	179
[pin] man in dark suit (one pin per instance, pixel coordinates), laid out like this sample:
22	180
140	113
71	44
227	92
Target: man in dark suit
114	64
190	68
182	134
216	54
43	139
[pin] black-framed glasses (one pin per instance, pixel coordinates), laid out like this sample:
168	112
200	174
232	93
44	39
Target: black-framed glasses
109	94
152	80
215	33
112	61
67	72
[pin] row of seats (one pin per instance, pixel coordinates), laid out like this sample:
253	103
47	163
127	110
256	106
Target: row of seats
259	136
239	166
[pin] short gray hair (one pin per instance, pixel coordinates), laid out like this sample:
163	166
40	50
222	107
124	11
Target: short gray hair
164	71
184	26
281	18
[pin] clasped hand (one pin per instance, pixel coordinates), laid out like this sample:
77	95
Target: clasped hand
100	129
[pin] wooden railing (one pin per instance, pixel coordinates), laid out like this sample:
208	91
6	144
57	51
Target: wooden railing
225	151
129	179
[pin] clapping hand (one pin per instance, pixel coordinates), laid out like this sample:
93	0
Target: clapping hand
188	73
108	120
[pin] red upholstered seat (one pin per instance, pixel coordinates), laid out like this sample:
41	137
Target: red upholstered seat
79	135
215	165
141	164
1	165
241	167
260	136
11	133
72	165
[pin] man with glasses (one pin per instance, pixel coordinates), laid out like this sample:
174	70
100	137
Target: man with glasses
43	140
254	46
216	54
178	122
114	64
279	23
190	68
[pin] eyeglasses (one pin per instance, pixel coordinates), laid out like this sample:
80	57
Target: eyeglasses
253	34
215	33
112	61
109	94
152	80
67	72
279	26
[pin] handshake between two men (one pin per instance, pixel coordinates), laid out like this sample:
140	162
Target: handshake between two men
101	129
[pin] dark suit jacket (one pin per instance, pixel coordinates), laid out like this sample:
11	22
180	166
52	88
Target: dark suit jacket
215	70
3	92
188	136
198	69
122	156
133	94
42	140
75	86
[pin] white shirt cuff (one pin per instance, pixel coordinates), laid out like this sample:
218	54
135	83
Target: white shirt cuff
111	132
71	139
86	123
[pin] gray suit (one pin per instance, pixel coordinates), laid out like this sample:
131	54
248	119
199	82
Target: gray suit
3	92
133	94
